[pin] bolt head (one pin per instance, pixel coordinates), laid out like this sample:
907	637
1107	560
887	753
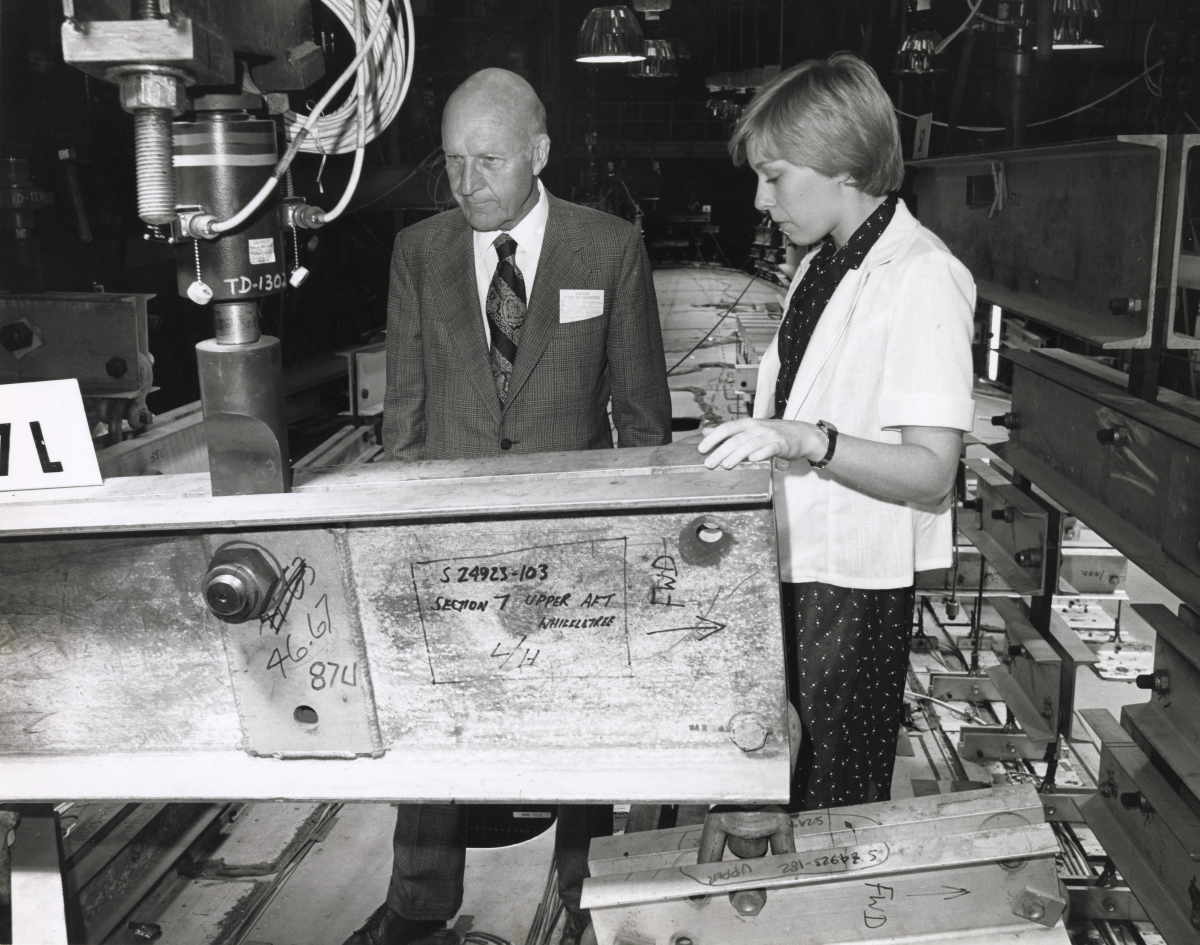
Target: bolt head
1108	905
1034	909
227	595
116	367
140	90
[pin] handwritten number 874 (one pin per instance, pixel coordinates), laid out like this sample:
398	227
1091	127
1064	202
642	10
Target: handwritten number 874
317	672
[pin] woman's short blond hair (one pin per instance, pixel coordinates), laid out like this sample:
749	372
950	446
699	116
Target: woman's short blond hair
828	114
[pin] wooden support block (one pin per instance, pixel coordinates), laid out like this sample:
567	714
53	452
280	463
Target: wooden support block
910	887
691	815
815	829
643	817
38	910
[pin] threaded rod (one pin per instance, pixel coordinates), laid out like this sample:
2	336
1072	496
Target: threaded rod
155	170
148	10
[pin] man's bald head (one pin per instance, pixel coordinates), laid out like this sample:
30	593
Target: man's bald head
494	136
500	92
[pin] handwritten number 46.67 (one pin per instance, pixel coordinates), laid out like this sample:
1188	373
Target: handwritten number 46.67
315	631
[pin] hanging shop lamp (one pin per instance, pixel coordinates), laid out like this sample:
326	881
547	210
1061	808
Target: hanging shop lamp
1077	24
609	34
915	54
660	60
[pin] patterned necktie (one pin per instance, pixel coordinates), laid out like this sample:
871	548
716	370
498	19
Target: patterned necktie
505	312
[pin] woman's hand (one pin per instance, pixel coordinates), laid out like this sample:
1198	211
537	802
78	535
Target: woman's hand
755	440
919	469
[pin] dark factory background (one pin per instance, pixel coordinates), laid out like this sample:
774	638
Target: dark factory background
651	149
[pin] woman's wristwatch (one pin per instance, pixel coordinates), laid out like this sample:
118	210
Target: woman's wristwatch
830	431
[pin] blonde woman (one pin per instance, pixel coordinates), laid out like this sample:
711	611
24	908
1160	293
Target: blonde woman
862	401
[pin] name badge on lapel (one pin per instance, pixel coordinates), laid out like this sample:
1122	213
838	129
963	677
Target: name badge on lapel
577	305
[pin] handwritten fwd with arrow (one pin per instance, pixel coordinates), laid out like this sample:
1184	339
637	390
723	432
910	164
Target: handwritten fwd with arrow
946	892
702	628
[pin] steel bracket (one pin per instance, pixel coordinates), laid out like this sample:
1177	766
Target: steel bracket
962	687
1100	902
989	743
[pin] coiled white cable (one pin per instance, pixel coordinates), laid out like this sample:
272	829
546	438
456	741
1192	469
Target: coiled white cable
389	71
360	150
381	23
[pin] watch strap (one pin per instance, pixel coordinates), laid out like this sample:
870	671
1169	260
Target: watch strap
831	432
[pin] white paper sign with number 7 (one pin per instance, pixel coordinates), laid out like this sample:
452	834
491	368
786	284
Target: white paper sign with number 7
45	442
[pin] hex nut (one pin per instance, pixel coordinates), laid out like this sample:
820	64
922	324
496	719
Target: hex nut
147	90
748	731
239	583
748	902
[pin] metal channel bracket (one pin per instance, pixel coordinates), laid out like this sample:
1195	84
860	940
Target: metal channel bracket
1166	727
1010	529
1030	685
1152	836
365	371
1048	252
1129	468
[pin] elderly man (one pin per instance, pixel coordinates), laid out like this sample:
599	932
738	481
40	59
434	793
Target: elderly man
513	321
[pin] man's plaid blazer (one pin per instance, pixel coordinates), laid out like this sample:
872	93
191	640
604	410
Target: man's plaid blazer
441	401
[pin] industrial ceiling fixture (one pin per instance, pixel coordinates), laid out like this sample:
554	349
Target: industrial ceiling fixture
651	8
609	34
915	53
660	60
1077	24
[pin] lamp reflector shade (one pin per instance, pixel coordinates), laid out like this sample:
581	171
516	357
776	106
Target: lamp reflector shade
915	55
660	60
609	34
1077	24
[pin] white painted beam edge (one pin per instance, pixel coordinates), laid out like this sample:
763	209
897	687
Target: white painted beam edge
650	775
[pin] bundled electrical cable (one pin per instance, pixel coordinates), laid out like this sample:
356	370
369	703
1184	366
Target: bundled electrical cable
388	67
306	134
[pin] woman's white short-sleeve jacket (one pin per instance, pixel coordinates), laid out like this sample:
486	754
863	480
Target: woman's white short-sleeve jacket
892	349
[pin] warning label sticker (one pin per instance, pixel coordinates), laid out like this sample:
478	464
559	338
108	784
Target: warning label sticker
262	251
